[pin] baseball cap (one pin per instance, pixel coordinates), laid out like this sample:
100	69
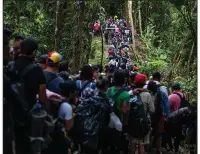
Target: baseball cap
176	84
43	59
140	79
54	57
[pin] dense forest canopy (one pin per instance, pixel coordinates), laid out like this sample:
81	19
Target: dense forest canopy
167	40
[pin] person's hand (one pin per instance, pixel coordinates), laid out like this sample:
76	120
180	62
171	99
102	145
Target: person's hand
53	96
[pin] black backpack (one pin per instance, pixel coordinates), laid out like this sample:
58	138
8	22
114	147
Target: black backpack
18	88
184	102
138	122
186	118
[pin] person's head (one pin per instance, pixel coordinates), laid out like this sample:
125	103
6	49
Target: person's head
64	75
111	69
119	78
53	60
135	68
111	57
6	48
106	69
123	66
6	36
29	47
102	83
100	68
176	86
17	41
43	61
86	72
126	73
95	70
140	80
152	86
151	78
11	53
64	66
68	89
132	77
157	76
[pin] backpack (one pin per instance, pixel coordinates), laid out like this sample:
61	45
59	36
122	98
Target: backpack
138	122
54	106
83	88
184	102
113	101
186	118
18	88
91	116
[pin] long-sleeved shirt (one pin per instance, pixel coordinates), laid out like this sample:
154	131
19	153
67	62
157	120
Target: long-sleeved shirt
163	98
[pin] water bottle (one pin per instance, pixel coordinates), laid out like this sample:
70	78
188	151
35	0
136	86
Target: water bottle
37	121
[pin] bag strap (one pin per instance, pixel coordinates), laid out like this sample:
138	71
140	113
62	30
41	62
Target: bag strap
28	68
142	103
81	90
182	98
114	97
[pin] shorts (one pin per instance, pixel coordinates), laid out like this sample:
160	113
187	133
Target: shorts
145	140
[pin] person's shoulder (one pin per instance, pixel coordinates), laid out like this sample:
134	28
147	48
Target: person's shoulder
78	81
36	69
65	106
145	94
125	94
60	79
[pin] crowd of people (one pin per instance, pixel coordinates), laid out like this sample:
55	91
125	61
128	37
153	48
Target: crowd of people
108	110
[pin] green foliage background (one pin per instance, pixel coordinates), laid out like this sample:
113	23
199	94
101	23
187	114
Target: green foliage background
167	42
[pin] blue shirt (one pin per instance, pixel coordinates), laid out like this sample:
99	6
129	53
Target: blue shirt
164	103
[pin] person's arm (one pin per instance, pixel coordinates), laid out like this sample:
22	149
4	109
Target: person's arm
69	120
165	104
126	104
42	88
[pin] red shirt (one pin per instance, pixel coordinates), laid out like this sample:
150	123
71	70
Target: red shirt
96	26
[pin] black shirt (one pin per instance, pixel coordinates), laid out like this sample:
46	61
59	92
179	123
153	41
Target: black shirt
32	80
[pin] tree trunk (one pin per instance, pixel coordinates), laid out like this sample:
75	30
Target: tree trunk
131	21
126	9
139	17
80	39
190	57
56	25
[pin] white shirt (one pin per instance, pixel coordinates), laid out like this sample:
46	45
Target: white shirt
65	111
112	62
